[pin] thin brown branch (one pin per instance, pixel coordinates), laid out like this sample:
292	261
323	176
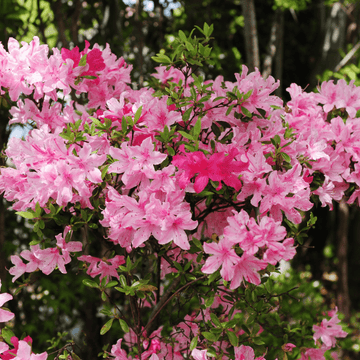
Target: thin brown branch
167	298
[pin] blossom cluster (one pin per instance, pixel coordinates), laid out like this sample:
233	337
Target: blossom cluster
220	177
45	259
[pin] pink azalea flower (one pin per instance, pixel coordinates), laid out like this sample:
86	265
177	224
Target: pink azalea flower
199	354
288	347
173	75
313	354
59	256
154	357
247	269
4	314
246	353
177	220
3	347
223	255
24	353
105	267
219	167
329	330
19	267
118	353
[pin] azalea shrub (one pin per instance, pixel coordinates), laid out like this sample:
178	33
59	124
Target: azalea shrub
176	201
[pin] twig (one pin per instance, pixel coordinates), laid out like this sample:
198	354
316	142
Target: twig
63	348
167	298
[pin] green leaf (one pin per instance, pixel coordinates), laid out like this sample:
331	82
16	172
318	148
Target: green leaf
209	301
135	284
106	327
26	214
213	276
209	30
186	135
124	325
128	263
106	312
212	352
247	95
187	113
197	243
246	112
234	341
89	77
77	124
178	266
97	122
35	242
269	285
137	114
111	284
104	171
123	125
228	111
277	139
215	320
257	341
200	29
197	128
201	49
37	209
193	93
209	336
123	281
286	157
52	209
82	61
7	334
189	46
161	58
170	150
90	283
206	29
182	36
232	323
193	343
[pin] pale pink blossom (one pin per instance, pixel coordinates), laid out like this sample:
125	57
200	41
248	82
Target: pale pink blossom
246	353
329	330
247	269
5	315
222	255
199	354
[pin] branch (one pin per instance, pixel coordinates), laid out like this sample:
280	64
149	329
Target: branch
167	298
